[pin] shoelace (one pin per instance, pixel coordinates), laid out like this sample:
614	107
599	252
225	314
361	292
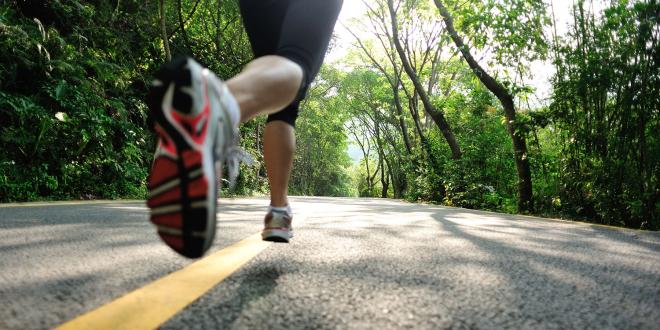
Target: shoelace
229	153
233	157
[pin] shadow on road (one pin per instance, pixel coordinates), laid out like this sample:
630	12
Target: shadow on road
475	269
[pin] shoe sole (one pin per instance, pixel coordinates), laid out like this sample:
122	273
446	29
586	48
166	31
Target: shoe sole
182	203
276	235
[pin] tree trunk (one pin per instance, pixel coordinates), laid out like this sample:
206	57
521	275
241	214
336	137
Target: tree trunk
179	8
384	179
399	185
163	30
396	185
506	99
437	115
382	160
399	113
415	115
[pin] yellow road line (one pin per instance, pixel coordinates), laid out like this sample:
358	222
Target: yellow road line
92	202
155	303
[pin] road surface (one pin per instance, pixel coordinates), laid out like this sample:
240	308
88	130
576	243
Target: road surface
353	264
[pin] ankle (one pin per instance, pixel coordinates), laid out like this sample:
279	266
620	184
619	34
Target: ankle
279	202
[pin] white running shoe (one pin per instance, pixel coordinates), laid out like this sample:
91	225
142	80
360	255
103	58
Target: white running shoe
277	225
196	119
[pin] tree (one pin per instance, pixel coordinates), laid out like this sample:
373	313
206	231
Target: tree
606	103
506	98
321	163
163	30
375	129
437	115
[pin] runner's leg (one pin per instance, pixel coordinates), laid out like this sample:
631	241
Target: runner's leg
266	85
297	32
197	119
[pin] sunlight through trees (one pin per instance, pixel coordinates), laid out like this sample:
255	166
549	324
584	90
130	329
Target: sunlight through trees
440	98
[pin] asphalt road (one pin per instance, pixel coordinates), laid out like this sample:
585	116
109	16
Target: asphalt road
354	264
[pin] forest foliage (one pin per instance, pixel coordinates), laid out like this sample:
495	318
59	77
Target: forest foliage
435	95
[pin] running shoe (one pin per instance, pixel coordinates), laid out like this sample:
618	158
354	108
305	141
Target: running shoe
196	133
277	226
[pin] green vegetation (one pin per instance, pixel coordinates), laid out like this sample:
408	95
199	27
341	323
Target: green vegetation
607	111
73	119
436	95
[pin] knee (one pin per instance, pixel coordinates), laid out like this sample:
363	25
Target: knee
282	75
292	73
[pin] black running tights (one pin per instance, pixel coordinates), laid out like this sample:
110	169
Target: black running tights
299	30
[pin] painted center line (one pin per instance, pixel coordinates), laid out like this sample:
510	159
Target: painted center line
152	305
